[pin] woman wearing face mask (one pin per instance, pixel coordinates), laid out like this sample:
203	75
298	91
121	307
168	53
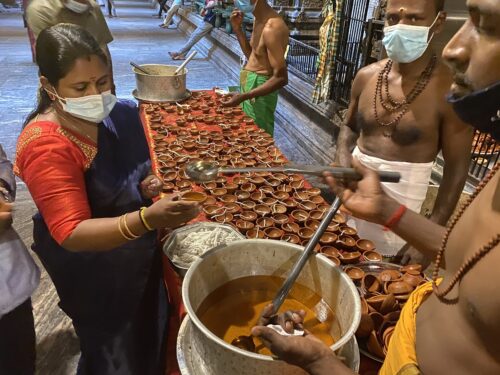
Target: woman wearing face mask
85	160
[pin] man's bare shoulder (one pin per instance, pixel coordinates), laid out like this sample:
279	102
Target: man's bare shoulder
276	25
367	72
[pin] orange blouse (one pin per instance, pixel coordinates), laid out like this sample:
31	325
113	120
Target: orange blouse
52	161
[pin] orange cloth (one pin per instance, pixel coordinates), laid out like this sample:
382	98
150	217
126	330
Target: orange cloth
401	356
52	162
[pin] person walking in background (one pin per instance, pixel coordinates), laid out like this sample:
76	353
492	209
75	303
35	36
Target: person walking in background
111	8
19	277
163	6
202	30
176	5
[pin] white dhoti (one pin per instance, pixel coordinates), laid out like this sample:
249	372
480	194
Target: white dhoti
410	191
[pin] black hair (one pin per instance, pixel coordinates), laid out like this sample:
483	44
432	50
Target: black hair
57	49
439	5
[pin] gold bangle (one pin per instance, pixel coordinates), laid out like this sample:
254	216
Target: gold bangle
121	230
127	229
143	219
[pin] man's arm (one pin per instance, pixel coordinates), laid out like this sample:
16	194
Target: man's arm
348	135
7	178
236	22
456	143
273	39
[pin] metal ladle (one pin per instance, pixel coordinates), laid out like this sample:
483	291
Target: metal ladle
246	342
204	171
139	68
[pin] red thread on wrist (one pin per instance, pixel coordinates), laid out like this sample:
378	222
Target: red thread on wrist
396	216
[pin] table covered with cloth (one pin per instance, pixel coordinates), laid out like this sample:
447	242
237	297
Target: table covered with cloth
200	129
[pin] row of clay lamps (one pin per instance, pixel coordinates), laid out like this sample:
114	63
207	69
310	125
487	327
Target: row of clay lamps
383	295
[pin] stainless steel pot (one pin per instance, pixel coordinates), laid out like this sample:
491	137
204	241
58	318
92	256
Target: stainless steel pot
263	257
161	85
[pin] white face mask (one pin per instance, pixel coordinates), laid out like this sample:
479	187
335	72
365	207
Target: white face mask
93	108
76	7
406	43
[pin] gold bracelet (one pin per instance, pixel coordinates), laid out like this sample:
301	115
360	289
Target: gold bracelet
127	229
143	219
121	230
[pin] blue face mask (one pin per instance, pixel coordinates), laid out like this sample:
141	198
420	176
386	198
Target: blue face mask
480	109
245	6
406	43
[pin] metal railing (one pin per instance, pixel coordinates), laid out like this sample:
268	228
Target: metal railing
302	60
485	154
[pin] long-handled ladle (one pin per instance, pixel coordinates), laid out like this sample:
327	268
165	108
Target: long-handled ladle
204	171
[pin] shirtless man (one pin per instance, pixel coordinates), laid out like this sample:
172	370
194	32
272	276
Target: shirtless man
456	333
265	72
407	138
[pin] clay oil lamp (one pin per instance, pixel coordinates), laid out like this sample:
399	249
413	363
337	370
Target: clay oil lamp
366	325
195	106
220	181
242	195
168	187
180	122
228	198
334	260
210	201
291	238
412	267
355	273
194	196
350	257
234	126
295	177
316	214
273	182
232	208
237	111
248	216
302	196
389	305
248	121
371	256
364	245
169	164
194	132
347	243
348	231
398	288
175	148
389	275
328	238
257	196
317	199
189	146
209	120
371	284
170	176
183	174
297	185
307	206
269	201
273	233
224	218
248	205
205	109
262	210
265	222
211	211
209	185
244	226
248	187
158	137
339	218
160	149
312	224
255	233
314	192
316	249
280	219
285	188
218	192
413	280
278	209
257	180
305	233
333	227
267	189
290	227
231	187
281	195
330	251
300	216
170	109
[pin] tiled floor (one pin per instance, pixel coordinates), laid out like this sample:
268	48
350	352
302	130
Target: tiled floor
137	38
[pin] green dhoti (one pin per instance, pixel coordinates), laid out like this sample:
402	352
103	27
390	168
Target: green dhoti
260	109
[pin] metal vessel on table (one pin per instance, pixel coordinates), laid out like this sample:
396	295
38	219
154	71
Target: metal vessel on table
161	85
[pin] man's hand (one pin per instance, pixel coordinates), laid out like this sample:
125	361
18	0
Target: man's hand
234	100
151	187
289	320
5	215
236	20
366	199
410	255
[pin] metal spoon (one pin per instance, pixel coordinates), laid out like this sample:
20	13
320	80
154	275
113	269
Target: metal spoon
246	342
188	59
204	171
139	68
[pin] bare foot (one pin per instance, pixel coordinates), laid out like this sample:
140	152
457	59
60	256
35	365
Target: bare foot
179	57
173	54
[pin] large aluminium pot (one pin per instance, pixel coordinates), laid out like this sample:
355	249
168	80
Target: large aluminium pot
161	85
263	257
